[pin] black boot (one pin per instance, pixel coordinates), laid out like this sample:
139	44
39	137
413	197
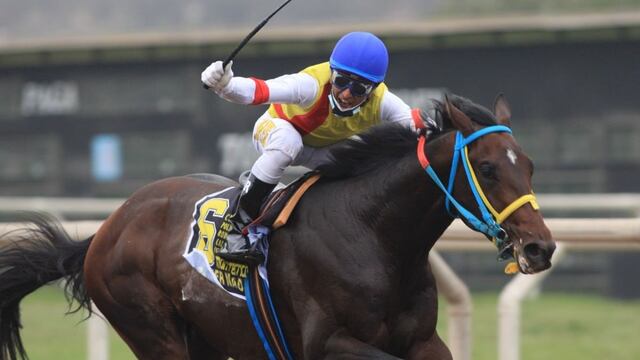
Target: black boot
253	195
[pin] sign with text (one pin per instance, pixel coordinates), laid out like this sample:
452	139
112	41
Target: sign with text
52	98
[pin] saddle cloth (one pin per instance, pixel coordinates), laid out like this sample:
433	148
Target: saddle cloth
212	226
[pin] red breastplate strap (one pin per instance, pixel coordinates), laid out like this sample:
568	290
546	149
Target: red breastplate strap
417	118
422	140
422	156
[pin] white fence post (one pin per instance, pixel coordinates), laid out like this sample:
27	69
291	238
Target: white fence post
459	306
97	336
509	308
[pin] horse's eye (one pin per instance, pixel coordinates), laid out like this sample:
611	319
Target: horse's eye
488	171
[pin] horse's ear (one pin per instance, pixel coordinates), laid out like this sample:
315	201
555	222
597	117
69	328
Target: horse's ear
502	110
459	120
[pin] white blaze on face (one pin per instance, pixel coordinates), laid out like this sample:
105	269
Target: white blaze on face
512	156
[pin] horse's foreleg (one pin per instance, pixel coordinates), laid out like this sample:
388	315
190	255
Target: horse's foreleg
341	345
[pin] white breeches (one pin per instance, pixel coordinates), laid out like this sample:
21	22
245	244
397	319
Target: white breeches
280	145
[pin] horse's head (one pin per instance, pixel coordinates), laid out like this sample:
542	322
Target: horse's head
497	174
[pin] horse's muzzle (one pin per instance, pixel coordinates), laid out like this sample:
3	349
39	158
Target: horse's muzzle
536	256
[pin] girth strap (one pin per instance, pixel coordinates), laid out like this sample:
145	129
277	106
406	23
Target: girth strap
264	317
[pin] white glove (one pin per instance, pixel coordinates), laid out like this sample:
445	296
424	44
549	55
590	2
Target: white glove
215	77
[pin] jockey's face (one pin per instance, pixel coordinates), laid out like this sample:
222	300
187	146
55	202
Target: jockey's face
350	90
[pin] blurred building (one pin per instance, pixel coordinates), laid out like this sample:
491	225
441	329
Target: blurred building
102	114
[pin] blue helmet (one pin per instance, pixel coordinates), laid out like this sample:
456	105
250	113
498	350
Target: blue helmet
362	54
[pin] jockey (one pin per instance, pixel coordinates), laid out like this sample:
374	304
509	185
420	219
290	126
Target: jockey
310	111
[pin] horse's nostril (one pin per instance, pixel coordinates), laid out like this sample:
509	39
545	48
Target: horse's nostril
533	251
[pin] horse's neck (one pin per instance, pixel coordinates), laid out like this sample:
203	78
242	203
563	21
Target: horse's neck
402	205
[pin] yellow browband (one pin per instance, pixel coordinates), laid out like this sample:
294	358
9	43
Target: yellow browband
500	216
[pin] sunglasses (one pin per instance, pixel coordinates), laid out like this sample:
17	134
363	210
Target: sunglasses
357	88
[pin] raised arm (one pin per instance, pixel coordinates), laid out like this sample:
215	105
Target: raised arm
299	88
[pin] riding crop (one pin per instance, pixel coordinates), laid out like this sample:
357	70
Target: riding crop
248	37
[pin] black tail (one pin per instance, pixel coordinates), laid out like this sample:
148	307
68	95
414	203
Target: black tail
29	259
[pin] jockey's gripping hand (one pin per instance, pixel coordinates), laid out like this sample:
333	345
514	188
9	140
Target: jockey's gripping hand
215	77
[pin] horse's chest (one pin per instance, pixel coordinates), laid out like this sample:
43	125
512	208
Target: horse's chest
385	309
371	309
378	326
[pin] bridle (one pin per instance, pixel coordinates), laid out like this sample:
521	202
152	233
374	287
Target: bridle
491	218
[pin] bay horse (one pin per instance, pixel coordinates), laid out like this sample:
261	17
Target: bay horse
349	273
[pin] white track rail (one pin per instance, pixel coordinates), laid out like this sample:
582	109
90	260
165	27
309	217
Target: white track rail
61	207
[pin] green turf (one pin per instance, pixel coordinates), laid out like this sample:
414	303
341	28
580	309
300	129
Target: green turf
560	326
49	334
554	326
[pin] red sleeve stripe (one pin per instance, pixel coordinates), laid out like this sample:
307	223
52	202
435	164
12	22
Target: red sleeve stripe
261	94
418	122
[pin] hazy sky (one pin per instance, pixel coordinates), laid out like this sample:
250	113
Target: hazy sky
24	19
48	19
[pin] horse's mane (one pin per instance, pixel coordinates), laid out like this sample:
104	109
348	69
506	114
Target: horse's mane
385	144
477	113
